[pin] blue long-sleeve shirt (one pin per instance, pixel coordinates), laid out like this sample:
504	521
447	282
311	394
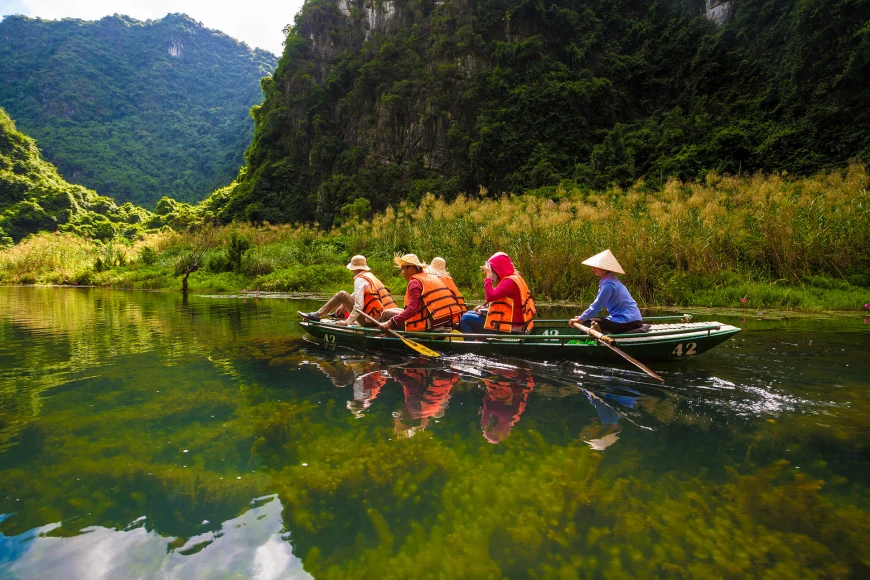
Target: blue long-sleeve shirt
613	295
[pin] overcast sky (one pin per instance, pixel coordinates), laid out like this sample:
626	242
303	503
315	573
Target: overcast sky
255	22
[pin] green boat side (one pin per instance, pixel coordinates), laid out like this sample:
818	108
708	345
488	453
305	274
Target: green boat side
549	340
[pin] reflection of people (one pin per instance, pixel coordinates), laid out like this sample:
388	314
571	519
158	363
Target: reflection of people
505	401
604	430
438	268
369	295
427	392
365	390
622	311
510	306
429	304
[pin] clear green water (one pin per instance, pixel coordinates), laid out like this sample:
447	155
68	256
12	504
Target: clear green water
142	436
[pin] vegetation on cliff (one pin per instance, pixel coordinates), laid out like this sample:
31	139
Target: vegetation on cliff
135	110
373	104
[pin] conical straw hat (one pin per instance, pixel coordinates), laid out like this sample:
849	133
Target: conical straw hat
606	261
602	443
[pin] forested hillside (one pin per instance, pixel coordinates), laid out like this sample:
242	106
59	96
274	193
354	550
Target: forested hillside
373	103
34	198
136	110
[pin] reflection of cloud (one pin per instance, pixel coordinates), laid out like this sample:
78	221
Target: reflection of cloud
249	546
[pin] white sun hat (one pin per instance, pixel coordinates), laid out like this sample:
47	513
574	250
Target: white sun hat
606	261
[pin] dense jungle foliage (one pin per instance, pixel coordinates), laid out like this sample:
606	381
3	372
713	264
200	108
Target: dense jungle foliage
34	198
135	110
373	104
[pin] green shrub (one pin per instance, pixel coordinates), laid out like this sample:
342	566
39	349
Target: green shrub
148	256
302	278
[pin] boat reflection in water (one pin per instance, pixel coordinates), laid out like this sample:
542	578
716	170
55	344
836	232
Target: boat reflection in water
507	391
427	388
427	392
604	430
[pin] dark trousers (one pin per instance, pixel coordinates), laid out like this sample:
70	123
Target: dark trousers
610	327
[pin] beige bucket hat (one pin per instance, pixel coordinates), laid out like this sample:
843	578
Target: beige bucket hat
606	261
408	260
358	263
438	267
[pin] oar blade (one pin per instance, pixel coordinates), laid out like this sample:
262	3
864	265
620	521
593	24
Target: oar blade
424	350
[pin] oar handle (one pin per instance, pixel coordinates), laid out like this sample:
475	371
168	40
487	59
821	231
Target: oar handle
608	342
370	319
592	332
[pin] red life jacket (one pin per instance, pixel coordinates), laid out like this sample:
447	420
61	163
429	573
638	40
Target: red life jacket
503	312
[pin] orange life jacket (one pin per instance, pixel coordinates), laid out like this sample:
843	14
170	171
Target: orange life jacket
448	281
500	317
439	304
376	297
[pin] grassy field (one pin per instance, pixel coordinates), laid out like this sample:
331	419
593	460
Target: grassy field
751	242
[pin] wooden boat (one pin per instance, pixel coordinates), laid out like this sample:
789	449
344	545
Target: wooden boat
669	337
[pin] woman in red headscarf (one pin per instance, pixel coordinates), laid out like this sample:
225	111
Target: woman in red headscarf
509	303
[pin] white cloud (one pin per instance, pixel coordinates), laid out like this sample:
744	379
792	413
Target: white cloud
249	546
259	23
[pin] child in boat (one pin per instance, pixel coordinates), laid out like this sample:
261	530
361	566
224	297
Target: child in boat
623	314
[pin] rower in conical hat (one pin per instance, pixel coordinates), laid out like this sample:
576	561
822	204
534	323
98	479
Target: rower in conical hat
623	315
606	261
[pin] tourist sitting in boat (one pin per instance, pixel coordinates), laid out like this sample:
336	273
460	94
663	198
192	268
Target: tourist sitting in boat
623	315
429	303
369	296
438	267
509	305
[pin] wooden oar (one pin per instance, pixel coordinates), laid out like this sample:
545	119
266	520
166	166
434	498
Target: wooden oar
607	341
424	350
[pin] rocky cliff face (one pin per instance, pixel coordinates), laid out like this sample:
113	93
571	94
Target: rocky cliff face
718	11
378	101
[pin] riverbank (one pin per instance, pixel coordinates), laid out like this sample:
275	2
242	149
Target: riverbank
750	243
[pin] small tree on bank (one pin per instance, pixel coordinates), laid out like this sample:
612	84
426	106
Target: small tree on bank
190	260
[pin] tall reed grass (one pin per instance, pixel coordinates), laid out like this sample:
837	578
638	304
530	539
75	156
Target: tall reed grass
757	241
671	242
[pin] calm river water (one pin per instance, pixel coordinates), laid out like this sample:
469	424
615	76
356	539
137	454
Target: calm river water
145	436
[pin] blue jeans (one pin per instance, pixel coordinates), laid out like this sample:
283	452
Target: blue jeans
472	322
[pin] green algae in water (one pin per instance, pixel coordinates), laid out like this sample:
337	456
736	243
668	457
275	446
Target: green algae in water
159	421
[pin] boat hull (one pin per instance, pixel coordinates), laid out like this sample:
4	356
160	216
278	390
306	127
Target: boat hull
549	342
